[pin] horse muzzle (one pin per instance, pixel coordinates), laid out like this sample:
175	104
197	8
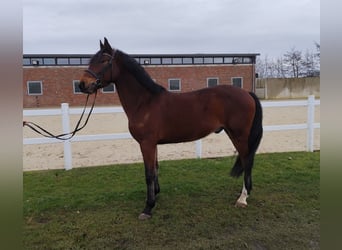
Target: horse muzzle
91	88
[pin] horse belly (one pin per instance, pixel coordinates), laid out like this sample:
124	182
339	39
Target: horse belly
185	130
193	115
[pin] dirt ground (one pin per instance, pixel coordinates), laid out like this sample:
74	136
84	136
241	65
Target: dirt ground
50	156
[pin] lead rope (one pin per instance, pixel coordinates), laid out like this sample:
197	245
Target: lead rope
38	129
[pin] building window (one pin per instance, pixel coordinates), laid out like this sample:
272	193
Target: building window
211	82
218	59
26	61
49	61
228	60
237	81
174	84
198	60
177	60
75	61
145	61
76	87
34	88
156	60
208	60
247	60
62	61
187	60
36	61
237	60
85	61
109	88
166	60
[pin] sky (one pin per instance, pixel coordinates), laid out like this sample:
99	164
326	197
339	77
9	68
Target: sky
267	27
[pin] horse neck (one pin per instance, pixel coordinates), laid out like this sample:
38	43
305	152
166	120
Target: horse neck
132	95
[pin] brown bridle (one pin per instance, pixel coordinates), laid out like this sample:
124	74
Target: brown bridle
99	76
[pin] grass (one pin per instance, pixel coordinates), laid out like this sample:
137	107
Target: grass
97	208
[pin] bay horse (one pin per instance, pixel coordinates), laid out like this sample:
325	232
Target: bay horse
157	116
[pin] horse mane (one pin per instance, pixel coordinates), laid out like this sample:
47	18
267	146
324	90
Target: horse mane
139	73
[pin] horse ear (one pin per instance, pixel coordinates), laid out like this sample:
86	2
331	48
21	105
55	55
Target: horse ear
107	45
101	45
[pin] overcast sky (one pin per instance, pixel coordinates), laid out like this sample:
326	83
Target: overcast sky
268	27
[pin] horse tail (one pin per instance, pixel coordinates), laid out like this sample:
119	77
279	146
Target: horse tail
256	130
253	140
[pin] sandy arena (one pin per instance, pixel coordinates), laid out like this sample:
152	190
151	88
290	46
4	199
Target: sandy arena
50	156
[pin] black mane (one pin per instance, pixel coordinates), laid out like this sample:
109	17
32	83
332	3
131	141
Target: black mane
139	73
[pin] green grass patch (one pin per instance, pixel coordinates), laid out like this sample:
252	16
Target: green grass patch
98	207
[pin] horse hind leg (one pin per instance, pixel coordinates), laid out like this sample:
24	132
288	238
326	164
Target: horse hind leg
254	138
242	201
238	168
242	165
247	163
246	185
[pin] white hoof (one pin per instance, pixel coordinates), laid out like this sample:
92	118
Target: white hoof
144	216
241	204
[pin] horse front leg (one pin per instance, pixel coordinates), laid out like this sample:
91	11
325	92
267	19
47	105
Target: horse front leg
149	155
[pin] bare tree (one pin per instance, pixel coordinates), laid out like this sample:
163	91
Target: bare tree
308	64
318	57
269	68
262	67
280	69
318	48
293	62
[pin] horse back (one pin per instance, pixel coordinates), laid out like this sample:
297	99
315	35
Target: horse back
215	101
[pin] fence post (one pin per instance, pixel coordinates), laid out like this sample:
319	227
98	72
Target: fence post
66	143
199	148
310	122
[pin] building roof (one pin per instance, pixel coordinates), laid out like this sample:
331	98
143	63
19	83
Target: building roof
145	59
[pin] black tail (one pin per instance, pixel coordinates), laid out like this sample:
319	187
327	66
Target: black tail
253	140
256	130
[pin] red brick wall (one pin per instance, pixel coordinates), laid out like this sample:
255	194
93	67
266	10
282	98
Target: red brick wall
57	82
195	77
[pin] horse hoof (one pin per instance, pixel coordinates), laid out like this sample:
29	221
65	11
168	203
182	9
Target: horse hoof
240	204
144	216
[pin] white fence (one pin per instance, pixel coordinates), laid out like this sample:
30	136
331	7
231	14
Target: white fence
65	111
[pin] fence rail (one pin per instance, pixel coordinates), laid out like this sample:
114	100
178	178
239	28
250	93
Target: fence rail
65	112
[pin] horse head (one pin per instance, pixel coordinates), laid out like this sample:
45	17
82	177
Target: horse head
102	69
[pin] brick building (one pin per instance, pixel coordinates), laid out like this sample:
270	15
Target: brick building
49	80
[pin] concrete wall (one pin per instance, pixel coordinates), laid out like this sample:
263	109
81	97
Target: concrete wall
287	88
